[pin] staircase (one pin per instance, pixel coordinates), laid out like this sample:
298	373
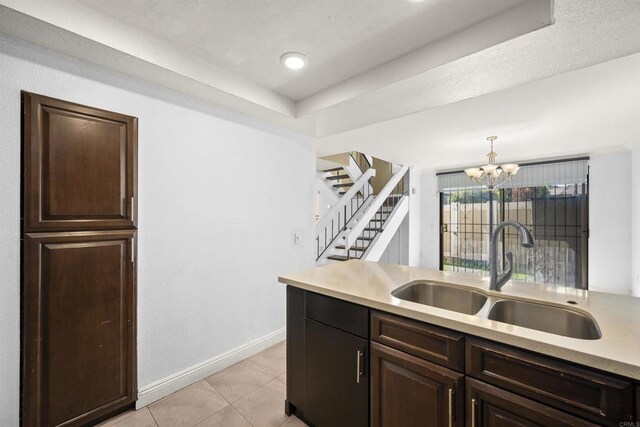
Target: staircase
339	179
361	225
368	235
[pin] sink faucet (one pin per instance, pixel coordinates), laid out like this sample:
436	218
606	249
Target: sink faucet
498	280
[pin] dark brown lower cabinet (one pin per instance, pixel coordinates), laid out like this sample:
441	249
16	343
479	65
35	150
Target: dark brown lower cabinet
489	406
336	380
638	403
418	375
408	391
79	326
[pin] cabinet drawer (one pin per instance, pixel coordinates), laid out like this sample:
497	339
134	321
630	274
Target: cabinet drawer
428	342
491	406
591	395
340	314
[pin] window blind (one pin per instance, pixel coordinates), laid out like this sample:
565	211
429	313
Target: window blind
563	172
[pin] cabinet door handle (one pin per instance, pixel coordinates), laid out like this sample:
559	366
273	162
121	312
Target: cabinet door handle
450	407
473	413
133	251
358	369
133	217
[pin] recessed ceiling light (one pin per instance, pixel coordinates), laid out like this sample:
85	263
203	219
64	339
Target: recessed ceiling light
294	60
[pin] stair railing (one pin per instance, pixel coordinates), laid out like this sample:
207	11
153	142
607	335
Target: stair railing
361	160
335	221
380	218
394	189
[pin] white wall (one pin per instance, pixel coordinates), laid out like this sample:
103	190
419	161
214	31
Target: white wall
610	261
635	224
610	223
218	205
415	196
430	220
397	251
328	198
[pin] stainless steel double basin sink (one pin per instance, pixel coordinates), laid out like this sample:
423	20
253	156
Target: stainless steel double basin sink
542	317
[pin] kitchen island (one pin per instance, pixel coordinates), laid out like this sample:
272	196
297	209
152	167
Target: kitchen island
391	361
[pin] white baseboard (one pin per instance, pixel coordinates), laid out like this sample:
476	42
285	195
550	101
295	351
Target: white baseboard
164	387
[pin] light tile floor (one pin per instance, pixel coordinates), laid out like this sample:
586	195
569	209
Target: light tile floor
249	393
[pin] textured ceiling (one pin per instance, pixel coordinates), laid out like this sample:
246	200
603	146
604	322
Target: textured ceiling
509	49
584	111
342	38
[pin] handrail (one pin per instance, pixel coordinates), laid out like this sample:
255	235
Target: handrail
346	198
393	184
335	221
361	160
338	232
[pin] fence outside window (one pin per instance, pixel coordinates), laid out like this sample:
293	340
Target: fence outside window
550	198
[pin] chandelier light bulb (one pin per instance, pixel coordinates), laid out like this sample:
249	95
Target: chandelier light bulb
492	175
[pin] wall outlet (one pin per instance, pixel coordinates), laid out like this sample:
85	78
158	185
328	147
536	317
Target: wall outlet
297	238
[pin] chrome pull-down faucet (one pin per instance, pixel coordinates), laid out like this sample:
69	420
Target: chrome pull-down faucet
497	281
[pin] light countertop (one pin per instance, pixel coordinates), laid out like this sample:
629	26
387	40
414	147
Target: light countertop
370	284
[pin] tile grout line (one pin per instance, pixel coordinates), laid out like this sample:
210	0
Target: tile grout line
255	391
258	365
152	416
226	400
234	407
238	411
229	403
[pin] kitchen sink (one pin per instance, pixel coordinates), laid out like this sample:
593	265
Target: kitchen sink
555	320
442	296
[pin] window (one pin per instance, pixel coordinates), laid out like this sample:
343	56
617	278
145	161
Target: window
550	198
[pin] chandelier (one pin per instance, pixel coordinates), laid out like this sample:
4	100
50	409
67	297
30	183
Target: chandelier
492	175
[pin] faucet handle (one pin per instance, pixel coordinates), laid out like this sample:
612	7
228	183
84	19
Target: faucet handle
507	270
506	274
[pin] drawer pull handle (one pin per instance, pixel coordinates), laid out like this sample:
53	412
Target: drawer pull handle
358	369
473	413
450	407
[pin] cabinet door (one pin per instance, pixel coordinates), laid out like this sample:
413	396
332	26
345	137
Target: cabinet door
79	334
79	166
336	377
408	391
489	406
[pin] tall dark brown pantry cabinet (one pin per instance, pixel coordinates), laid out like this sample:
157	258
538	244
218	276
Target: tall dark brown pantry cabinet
78	257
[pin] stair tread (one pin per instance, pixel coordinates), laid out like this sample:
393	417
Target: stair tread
365	238
334	177
338	257
333	169
346	184
373	229
353	248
